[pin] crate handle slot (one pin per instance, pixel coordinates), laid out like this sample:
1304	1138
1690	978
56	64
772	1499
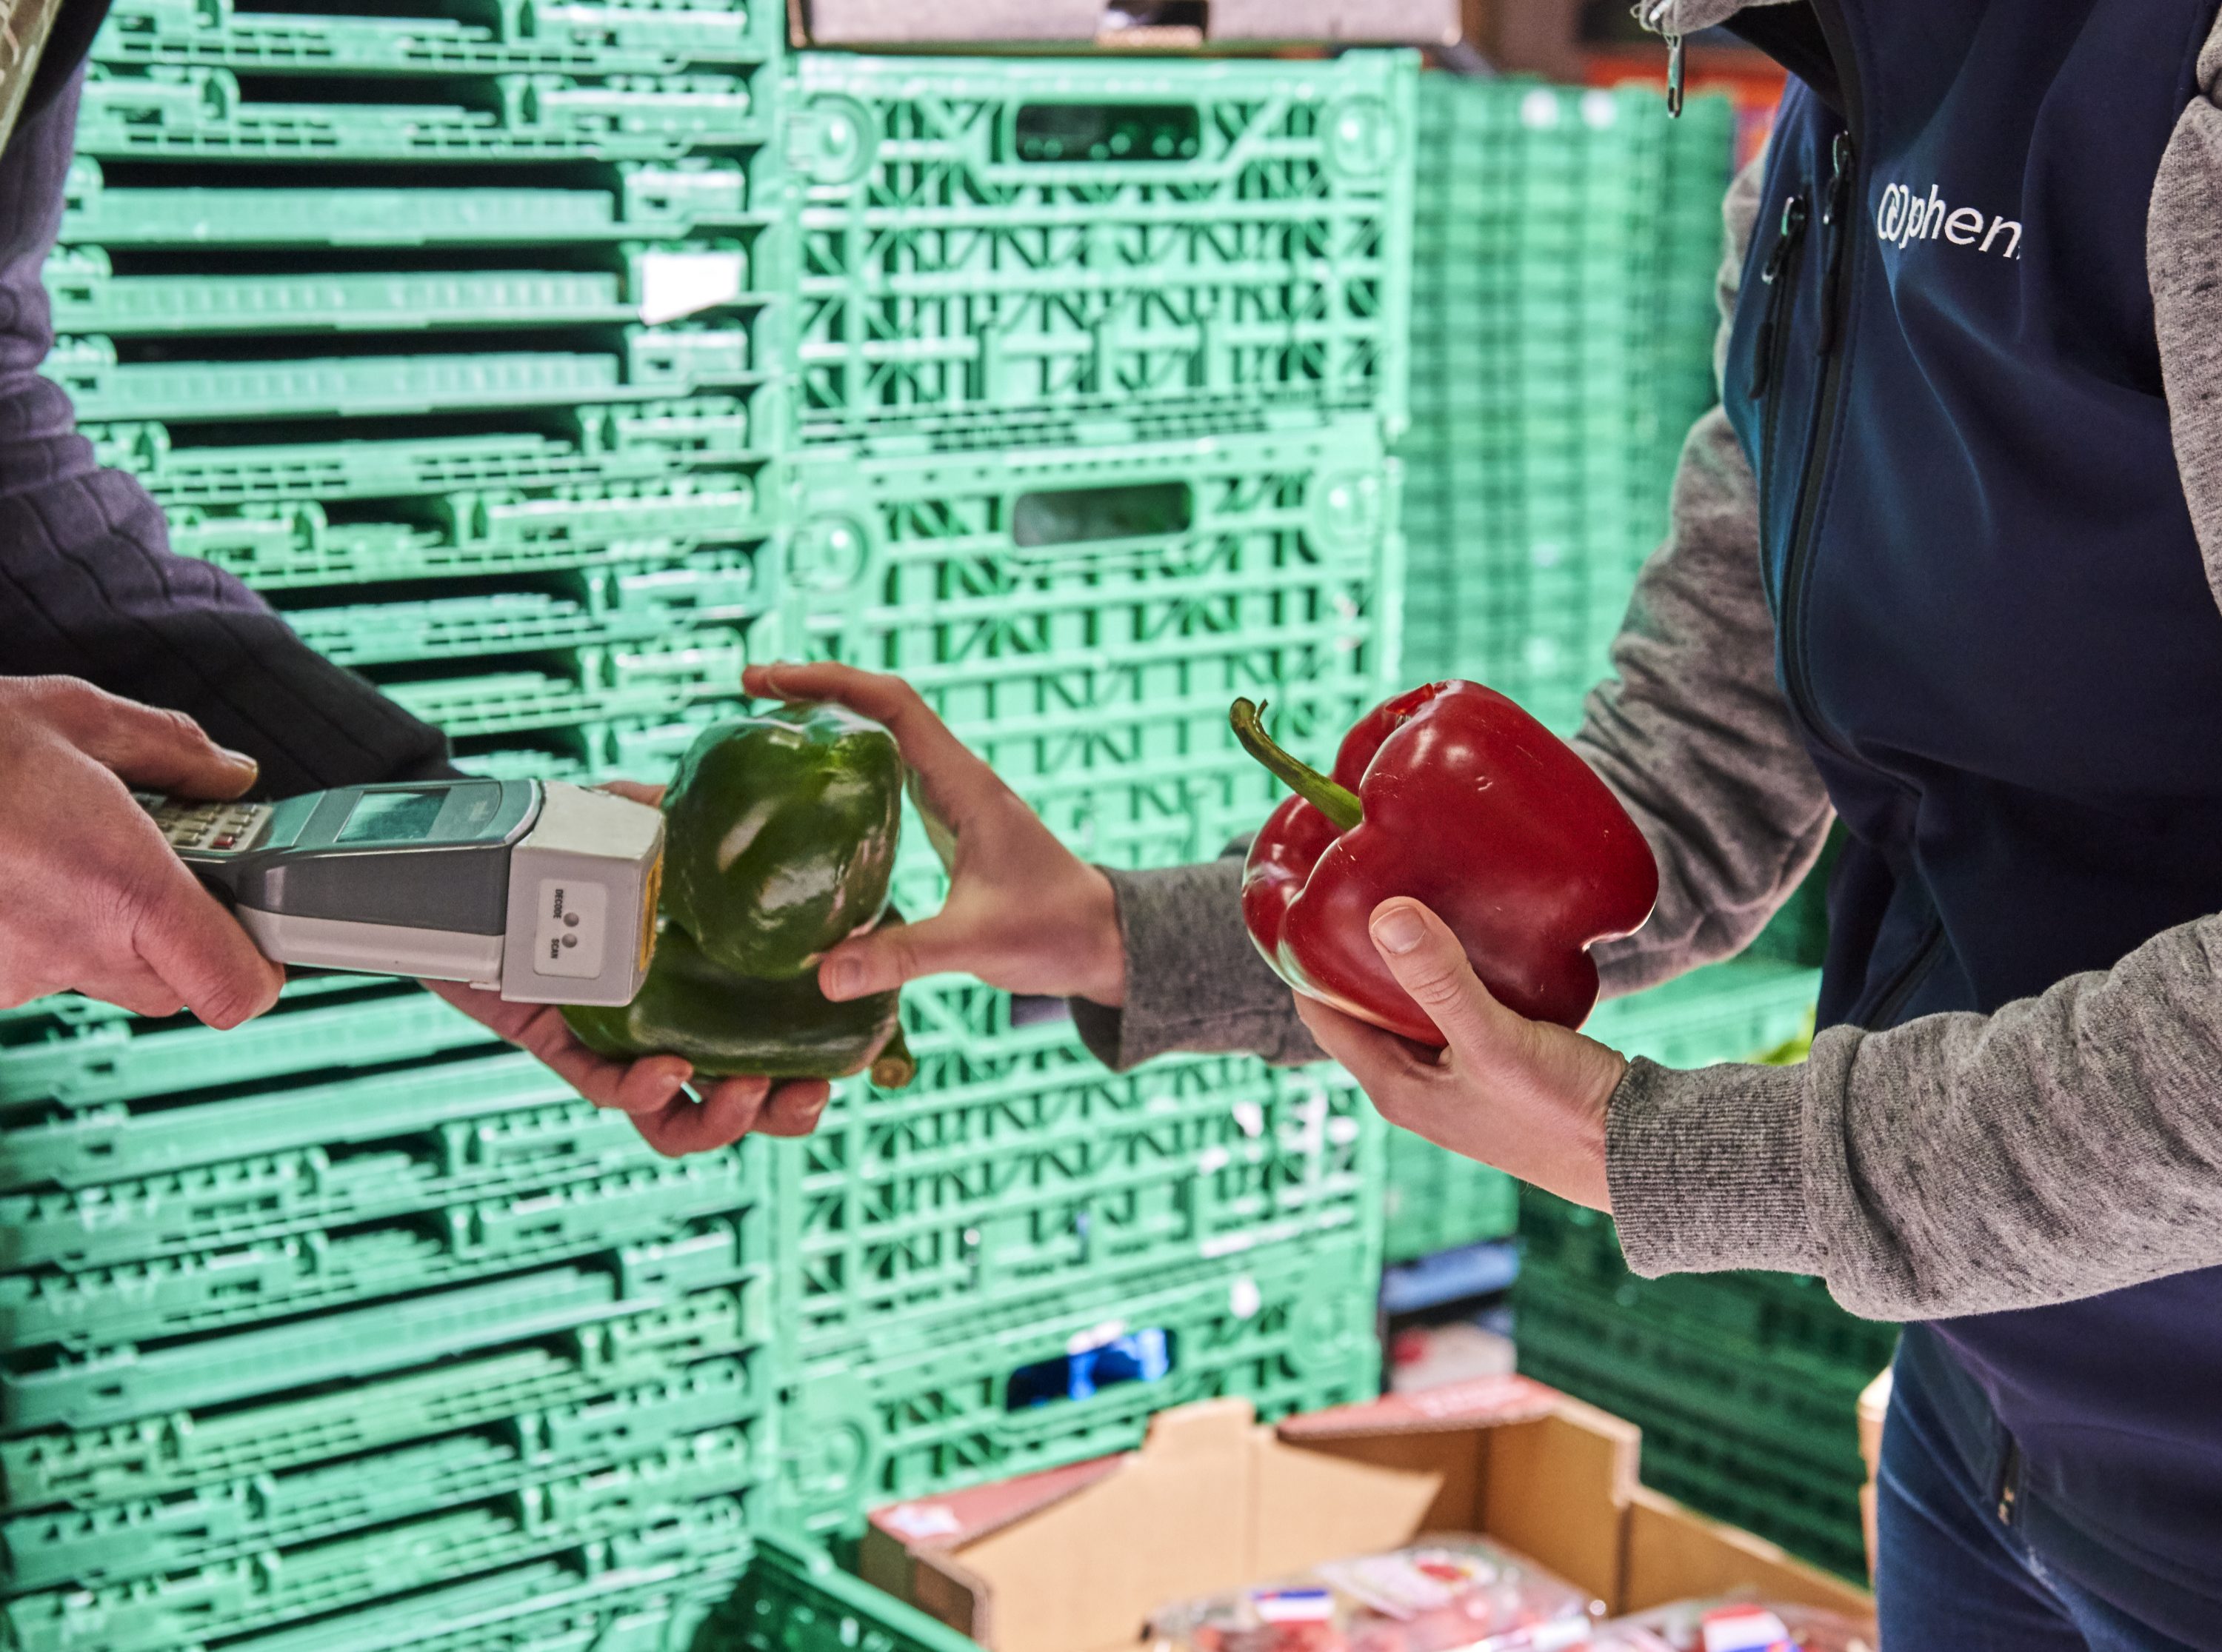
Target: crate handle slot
1066	134
1081	516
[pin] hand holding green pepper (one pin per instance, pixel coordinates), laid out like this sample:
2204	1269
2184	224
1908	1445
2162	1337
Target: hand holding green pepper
781	833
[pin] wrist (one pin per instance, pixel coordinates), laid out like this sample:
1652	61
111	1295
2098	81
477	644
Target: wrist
1103	973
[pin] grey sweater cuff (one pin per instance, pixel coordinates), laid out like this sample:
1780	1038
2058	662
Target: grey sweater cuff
1193	980
1706	1169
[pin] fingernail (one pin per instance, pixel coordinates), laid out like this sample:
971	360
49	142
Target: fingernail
842	978
1398	930
240	758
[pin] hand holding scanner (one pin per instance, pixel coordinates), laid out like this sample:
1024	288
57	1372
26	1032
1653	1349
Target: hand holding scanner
544	891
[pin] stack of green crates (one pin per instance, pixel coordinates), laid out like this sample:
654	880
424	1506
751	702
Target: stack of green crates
1564	246
356	1330
1746	1384
467	343
1098	361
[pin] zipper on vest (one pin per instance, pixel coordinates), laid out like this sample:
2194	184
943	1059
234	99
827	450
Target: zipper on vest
1912	976
2009	1497
1765	364
1821	433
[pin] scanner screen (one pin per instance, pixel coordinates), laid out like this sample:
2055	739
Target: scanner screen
392	816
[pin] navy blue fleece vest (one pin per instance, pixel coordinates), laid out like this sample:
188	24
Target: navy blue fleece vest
1996	634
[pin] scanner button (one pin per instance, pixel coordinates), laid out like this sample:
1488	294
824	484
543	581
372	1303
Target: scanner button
570	928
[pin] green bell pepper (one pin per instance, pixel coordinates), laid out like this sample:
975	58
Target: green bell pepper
781	833
728	1024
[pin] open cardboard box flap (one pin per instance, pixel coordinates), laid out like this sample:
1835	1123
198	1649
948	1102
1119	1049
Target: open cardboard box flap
1074	1560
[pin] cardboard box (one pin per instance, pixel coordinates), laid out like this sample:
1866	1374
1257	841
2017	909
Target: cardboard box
1074	1560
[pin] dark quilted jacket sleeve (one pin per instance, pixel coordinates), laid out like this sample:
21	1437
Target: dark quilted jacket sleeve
89	586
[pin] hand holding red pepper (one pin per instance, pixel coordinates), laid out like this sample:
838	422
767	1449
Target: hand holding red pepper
1451	795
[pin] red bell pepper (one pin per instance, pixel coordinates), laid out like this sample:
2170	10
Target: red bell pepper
1452	795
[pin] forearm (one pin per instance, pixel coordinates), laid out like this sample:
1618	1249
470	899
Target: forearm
1948	1167
1193	980
89	586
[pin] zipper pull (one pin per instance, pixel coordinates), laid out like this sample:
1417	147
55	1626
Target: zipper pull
1654	16
1845	156
1778	258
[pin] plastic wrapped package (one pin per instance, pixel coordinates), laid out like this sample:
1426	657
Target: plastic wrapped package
1442	1594
1732	1626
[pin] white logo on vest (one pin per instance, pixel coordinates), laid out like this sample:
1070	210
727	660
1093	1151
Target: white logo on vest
1904	217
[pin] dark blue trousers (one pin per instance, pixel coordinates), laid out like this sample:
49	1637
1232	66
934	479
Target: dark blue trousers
1949	1576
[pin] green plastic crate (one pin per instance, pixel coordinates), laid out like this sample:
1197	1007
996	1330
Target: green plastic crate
654	363
1016	1166
641	679
1083	617
648	1594
74	1060
1434	1199
159	1615
644	200
986	238
166	112
517	35
87	297
1563	253
648	604
681	1455
1741	1434
1731	1011
794	1599
926	1406
573	1387
606	446
1567	1244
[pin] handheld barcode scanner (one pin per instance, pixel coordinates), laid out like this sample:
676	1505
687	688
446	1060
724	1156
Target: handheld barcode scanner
544	891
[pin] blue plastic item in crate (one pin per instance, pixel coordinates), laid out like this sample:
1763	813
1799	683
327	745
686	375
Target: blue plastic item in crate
646	200
171	113
984	238
601	38
926	1405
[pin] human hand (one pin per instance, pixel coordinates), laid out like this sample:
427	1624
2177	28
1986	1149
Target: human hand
674	1114
99	903
1526	1096
1024	912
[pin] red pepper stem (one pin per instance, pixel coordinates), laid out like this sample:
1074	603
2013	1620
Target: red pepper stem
1340	805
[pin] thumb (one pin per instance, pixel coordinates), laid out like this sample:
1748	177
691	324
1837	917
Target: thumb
894	954
199	950
1427	962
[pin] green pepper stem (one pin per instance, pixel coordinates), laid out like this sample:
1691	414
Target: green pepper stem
894	1067
1338	804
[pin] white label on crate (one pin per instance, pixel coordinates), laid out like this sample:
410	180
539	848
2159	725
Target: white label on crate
571	927
672	284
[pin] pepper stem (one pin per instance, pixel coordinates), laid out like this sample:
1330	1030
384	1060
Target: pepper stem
1340	805
894	1067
